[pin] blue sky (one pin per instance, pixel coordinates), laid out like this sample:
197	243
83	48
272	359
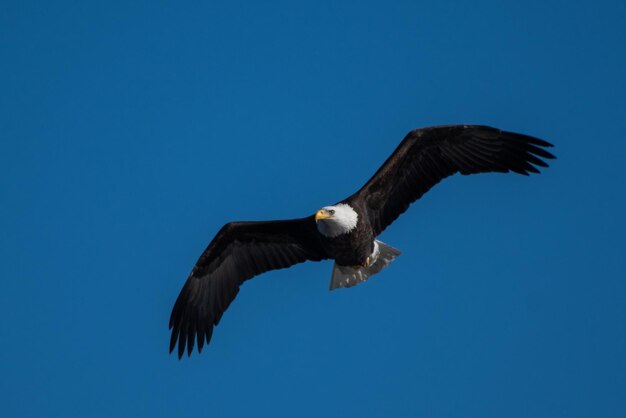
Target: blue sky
132	131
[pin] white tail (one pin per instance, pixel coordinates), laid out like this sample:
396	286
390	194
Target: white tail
346	276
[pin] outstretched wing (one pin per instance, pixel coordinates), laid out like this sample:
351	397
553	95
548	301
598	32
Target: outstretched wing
426	156
240	251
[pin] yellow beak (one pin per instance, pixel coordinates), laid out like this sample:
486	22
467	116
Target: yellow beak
321	214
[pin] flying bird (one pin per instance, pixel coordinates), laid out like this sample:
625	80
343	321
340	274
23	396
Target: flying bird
346	231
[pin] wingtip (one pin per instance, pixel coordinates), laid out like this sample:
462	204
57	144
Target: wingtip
181	345
186	344
550	156
173	340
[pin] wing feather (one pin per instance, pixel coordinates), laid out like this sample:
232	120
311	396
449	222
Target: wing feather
427	156
240	251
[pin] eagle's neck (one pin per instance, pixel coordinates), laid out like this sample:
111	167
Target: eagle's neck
343	221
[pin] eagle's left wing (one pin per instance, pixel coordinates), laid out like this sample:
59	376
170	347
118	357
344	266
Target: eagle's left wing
428	155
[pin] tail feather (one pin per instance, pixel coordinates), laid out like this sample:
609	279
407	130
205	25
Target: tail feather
346	276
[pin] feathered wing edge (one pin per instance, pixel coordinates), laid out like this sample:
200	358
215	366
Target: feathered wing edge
240	251
428	155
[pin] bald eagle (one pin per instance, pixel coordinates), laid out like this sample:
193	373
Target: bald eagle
346	231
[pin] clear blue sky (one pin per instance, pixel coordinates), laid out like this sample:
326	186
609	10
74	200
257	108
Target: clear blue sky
132	131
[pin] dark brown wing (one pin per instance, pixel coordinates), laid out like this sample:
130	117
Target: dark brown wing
240	251
426	156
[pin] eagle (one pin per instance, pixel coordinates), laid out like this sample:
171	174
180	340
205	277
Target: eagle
346	231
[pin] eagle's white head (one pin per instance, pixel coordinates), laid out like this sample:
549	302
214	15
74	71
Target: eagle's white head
333	221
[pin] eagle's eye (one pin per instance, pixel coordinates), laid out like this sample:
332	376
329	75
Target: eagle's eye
332	211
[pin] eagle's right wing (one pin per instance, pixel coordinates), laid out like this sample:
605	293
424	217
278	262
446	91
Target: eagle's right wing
240	251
